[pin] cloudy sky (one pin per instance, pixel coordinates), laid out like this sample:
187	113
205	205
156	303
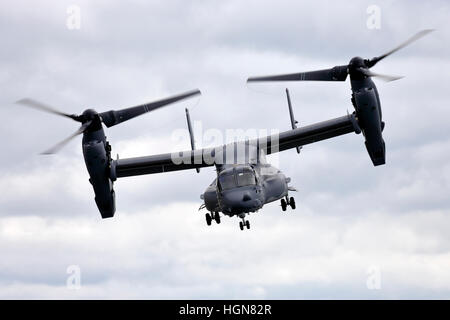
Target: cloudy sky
358	232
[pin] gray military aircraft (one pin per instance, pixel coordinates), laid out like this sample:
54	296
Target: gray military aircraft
245	182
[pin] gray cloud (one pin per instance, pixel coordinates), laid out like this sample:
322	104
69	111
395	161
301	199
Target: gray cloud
350	215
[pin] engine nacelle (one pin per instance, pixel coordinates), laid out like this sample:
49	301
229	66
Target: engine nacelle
368	111
97	159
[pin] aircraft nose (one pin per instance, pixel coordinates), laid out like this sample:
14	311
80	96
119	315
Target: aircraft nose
246	197
240	201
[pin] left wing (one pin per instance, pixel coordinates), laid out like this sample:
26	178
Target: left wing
200	158
313	133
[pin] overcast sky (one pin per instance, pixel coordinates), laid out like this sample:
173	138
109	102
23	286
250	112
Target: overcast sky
354	222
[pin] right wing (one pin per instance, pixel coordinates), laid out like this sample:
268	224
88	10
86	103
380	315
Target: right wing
157	164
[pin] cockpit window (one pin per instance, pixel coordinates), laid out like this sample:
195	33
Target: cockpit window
237	179
227	182
245	179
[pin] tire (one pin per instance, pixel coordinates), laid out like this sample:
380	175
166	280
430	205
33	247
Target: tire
217	217
247	224
292	203
208	219
283	205
241	225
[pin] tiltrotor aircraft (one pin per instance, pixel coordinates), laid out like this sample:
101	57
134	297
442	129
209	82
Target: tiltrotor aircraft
245	182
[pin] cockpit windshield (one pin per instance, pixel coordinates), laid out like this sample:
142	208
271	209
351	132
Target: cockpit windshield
227	182
237	179
245	179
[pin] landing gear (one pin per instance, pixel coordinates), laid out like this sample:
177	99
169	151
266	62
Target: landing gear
292	203
212	216
283	205
217	217
244	223
288	202
208	219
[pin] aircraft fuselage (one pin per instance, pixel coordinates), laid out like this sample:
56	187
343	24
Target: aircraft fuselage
243	189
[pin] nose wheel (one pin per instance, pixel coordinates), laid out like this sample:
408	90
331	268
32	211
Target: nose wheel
288	202
244	223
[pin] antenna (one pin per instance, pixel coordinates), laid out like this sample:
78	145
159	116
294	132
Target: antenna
291	114
191	134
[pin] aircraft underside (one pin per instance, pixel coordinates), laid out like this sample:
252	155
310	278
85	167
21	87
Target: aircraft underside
285	202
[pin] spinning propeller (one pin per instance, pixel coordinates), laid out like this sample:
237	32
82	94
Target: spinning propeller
358	68
91	120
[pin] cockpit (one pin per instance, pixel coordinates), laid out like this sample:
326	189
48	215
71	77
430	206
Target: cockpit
236	177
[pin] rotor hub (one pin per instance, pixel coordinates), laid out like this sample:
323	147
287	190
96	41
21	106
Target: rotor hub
355	66
89	114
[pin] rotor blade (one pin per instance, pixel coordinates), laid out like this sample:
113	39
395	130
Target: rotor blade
338	73
43	107
415	37
61	144
383	77
111	118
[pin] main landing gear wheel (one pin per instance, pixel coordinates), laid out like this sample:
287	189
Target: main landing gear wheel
283	205
241	225
247	224
208	219
217	217
292	203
